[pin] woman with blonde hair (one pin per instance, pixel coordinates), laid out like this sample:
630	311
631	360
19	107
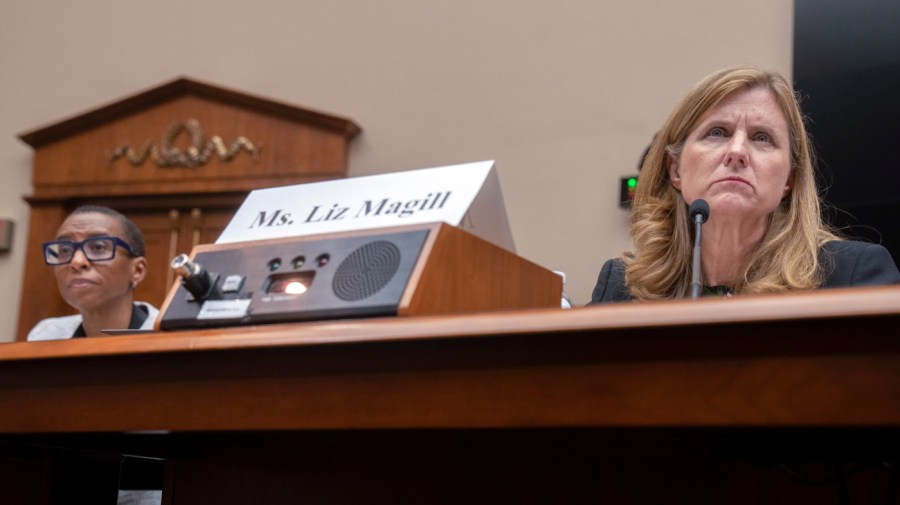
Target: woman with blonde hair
736	140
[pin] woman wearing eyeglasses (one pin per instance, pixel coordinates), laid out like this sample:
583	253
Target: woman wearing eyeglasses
98	259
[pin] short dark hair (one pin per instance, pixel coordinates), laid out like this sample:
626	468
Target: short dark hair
133	234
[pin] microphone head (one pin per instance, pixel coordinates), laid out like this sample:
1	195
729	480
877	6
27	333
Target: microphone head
699	207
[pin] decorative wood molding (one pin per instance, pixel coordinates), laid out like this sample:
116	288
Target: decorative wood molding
186	86
72	157
167	155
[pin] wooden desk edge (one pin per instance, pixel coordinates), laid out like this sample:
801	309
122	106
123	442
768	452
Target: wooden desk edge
823	304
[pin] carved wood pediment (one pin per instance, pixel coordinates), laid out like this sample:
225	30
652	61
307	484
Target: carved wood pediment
187	136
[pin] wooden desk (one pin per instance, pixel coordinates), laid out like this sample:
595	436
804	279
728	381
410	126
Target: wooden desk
511	407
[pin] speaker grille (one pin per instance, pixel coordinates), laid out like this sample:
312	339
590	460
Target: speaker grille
366	271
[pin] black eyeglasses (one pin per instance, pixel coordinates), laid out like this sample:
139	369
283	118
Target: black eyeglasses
60	252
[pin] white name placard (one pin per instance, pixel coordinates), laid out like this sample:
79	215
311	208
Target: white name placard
466	195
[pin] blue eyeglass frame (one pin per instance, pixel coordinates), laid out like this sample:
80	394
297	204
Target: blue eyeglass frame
79	246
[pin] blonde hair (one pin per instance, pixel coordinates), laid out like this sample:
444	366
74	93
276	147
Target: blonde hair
787	256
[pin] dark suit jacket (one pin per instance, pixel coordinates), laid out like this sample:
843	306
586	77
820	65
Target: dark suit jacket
848	263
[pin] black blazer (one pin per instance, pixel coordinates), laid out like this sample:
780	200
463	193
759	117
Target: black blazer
848	263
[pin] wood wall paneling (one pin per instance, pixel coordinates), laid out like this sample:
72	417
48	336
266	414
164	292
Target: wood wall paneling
176	207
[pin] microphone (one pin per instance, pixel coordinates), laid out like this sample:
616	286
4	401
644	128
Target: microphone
699	212
195	278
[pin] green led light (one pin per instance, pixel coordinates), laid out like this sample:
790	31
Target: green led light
632	182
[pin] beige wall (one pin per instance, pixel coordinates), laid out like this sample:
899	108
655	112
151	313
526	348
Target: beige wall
564	95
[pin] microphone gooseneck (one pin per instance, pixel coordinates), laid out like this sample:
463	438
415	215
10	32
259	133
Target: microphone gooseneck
699	212
195	278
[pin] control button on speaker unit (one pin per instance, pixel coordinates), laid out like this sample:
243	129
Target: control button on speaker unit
232	283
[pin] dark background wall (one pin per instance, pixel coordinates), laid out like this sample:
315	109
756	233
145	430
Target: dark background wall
847	71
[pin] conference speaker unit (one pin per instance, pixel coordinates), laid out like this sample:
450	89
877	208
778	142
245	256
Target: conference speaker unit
411	270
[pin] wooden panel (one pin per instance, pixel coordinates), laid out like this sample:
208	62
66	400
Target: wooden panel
742	401
872	308
459	272
413	388
556	368
40	297
291	153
